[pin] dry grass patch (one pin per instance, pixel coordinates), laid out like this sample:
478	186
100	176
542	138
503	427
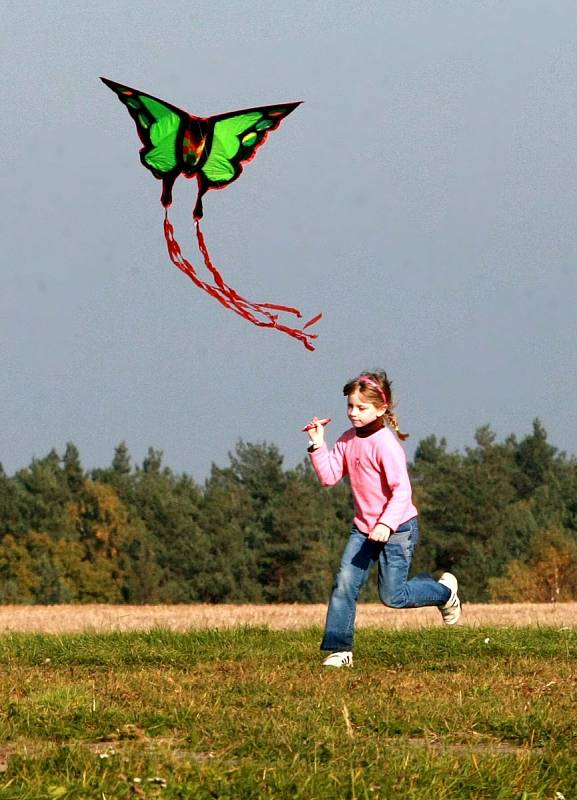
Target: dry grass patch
107	618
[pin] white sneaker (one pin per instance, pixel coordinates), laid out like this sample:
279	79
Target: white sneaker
451	611
341	659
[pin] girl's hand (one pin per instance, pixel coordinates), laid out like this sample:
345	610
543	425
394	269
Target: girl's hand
380	533
316	434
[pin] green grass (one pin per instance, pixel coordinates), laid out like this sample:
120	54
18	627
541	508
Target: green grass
249	713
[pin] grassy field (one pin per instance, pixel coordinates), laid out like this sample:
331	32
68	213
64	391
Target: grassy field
246	712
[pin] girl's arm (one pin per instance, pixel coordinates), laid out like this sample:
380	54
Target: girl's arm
329	465
394	464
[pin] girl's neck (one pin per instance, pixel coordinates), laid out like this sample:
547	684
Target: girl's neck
372	427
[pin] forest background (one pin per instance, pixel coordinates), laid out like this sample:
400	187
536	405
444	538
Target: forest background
501	515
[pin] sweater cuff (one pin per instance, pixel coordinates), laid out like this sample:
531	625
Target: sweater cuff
388	522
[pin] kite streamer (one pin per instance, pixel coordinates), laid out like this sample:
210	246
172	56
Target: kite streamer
228	297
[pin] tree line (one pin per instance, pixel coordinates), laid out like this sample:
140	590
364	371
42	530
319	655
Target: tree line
501	515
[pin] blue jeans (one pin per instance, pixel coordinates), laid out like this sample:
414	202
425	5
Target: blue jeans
395	590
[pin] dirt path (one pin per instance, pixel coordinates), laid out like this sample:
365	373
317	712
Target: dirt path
71	618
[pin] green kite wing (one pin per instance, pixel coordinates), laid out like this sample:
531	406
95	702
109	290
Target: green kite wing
161	129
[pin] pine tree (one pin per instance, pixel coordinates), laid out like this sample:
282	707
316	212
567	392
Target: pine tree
535	460
73	472
121	460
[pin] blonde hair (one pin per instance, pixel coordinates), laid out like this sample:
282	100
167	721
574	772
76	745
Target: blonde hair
377	389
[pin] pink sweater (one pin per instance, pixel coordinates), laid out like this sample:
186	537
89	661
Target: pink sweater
377	469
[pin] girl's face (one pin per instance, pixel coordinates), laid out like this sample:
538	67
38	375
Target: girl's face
360	411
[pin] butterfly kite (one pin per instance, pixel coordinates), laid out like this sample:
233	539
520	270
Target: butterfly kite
213	150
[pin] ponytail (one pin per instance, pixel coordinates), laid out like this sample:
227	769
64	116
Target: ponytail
394	424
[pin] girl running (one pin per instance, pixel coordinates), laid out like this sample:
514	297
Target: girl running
385	527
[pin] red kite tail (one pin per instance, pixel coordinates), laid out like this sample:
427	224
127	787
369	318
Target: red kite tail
259	314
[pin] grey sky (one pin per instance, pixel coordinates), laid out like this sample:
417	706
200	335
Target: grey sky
423	197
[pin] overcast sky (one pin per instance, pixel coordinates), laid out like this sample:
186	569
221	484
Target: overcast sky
424	197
